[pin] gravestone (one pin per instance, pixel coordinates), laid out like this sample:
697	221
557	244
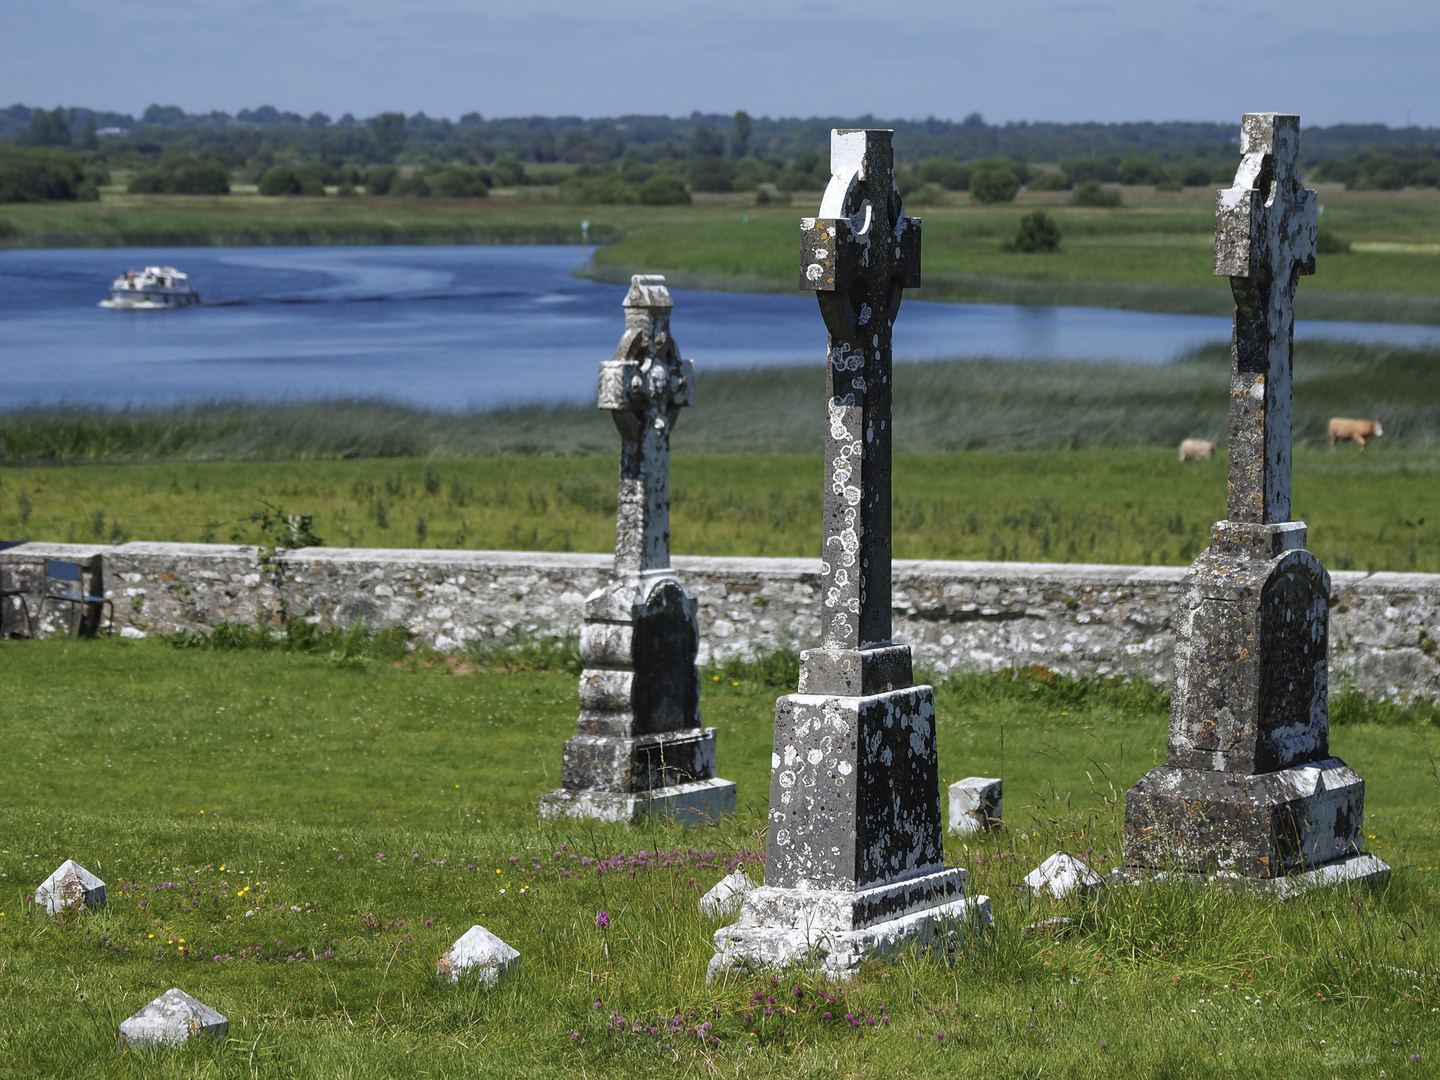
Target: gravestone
640	748
478	952
70	886
1249	788
854	864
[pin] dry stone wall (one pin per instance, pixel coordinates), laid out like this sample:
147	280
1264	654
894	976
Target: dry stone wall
1074	618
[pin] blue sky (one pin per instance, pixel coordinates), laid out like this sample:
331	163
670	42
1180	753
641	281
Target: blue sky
1063	60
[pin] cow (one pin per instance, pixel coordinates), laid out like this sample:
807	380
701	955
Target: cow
1197	450
1361	431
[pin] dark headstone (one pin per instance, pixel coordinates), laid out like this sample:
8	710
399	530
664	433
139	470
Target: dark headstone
1248	787
639	748
854	859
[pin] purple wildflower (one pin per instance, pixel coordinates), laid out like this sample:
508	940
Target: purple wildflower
602	920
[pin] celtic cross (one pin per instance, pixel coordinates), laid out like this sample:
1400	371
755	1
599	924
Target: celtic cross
1264	240
859	255
644	386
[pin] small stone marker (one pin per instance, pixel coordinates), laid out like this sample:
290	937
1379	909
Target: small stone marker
1249	788
70	886
854	865
974	804
725	898
170	1020
481	952
639	748
1060	875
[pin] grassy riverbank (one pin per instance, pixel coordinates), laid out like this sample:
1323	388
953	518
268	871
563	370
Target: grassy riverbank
1153	253
293	839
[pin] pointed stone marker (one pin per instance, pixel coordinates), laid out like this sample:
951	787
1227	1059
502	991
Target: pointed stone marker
854	858
727	895
70	886
1060	875
1249	788
639	748
481	952
170	1020
975	804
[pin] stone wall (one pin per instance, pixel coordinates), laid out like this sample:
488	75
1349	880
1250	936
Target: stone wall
1074	618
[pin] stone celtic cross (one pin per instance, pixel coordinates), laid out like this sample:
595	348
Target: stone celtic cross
644	387
859	255
1264	240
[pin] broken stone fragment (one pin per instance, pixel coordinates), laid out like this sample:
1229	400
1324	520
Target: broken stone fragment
481	952
70	886
727	895
974	804
172	1019
1060	875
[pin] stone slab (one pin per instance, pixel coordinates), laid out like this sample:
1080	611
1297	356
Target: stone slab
726	896
172	1019
742	949
480	953
1061	875
1362	869
70	886
702	803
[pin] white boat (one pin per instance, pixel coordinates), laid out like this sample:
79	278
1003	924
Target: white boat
157	288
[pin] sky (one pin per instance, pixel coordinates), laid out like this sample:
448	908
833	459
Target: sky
1061	60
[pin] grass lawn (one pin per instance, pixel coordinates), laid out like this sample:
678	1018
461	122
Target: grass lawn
293	839
1153	253
1134	505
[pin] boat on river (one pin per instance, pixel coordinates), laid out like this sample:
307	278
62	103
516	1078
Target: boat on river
156	288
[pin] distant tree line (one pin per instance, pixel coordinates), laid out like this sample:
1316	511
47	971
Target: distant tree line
646	158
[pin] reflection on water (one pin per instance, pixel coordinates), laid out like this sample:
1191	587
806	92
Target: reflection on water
454	327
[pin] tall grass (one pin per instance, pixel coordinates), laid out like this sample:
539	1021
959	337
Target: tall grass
946	405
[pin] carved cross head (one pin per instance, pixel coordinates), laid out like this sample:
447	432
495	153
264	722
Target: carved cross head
861	247
646	382
1265	222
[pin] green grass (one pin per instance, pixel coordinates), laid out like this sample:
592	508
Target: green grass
156	765
1049	462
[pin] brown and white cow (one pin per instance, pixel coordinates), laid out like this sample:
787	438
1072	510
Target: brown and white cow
1360	431
1197	450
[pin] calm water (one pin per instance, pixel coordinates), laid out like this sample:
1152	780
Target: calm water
455	327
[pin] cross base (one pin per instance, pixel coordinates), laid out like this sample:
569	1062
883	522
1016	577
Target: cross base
1260	827
1362	869
827	931
701	803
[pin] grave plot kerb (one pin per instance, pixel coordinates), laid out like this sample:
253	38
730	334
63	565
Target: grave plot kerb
1248	787
640	747
854	862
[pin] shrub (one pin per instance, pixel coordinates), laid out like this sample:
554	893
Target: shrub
1038	233
183	174
994	184
1049	180
1140	171
665	189
946	172
1327	243
712	173
379	180
1091	193
597	185
413	184
456	182
808	172
42	175
1079	170
1194	175
507	172
8	229
287	180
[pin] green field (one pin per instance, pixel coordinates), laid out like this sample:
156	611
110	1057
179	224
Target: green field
1153	253
249	809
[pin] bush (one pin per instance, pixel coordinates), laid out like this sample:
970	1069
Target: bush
1038	233
43	175
665	189
712	174
1079	170
594	184
8	229
184	174
1049	180
457	182
1140	171
1327	243
946	172
507	172
414	185
287	180
1091	193
808	172
379	180
1194	175
994	184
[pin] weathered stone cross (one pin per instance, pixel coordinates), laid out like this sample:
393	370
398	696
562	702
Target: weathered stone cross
644	387
1264	240
858	255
